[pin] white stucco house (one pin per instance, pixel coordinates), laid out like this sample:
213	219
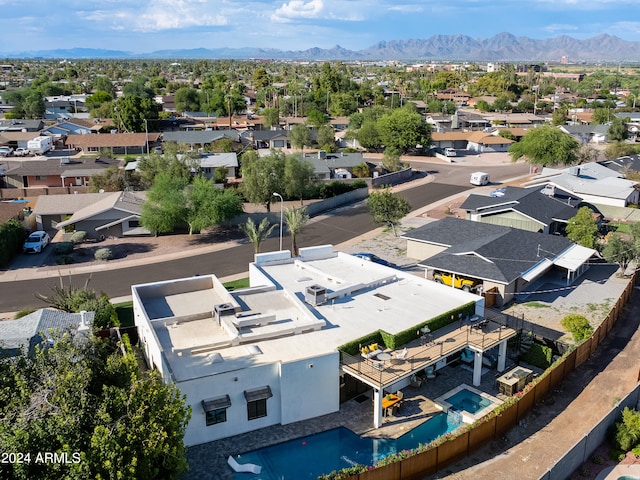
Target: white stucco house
269	354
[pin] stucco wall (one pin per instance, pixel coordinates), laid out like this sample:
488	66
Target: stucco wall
421	251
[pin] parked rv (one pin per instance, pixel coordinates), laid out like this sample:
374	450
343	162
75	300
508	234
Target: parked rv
40	145
479	178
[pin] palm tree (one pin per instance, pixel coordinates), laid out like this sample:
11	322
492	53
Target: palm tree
257	233
296	219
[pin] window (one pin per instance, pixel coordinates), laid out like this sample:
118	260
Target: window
215	409
216	416
134	223
41	177
257	402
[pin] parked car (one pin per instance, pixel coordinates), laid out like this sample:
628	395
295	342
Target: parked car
5	151
21	152
36	242
450	152
370	257
466	284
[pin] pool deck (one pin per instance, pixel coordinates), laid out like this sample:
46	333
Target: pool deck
209	460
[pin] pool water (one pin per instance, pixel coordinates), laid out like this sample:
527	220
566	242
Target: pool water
311	456
468	401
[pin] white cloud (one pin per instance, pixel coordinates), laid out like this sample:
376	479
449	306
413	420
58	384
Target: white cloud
407	8
298	9
559	27
159	15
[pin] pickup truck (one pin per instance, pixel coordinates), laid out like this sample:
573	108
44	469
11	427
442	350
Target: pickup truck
5	151
463	283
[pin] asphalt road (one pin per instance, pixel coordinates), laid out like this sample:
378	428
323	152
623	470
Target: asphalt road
332	228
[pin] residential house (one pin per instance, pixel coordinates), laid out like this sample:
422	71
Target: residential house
624	164
481	142
17	139
50	210
115	214
327	166
267	139
270	354
457	140
68	127
21	125
115	143
199	138
587	133
469	120
505	260
63	107
55	171
593	182
39	328
545	210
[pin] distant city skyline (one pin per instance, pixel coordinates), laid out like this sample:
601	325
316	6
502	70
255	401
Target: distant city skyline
139	26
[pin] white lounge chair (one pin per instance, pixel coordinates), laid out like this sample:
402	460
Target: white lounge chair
402	355
243	467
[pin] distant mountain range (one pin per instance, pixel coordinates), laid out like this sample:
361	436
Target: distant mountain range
501	47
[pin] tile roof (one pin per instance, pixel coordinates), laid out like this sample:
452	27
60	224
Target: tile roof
107	140
198	136
484	251
54	166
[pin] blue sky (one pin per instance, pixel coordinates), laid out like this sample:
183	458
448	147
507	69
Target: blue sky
141	26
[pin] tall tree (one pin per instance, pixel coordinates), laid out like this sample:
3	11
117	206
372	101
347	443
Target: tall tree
387	208
545	146
619	250
88	400
582	228
618	131
326	138
391	159
261	177
206	205
299	176
165	206
257	233
296	219
403	129
300	136
131	112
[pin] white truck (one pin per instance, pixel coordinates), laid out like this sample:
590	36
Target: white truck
40	145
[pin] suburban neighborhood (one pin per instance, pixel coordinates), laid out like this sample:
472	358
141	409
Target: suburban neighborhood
459	239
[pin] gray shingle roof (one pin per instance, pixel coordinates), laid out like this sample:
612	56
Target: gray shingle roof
485	251
528	201
199	136
25	332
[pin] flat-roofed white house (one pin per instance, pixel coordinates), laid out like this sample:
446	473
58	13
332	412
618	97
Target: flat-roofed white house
271	353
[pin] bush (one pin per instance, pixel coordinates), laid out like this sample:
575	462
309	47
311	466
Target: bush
79	236
24	312
104	253
12	235
64	260
63	248
578	326
626	432
538	356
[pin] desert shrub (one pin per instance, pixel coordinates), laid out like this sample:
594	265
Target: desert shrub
104	253
626	432
64	260
578	326
63	248
24	312
79	236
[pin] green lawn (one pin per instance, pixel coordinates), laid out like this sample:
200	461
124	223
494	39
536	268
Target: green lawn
125	309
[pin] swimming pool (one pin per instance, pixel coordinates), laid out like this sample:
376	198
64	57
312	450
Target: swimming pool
469	402
308	457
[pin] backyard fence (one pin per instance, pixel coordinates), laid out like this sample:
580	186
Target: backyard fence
452	447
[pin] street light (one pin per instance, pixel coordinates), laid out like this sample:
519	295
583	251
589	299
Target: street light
146	133
281	212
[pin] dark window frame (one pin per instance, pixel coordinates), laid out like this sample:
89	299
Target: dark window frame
213	417
257	409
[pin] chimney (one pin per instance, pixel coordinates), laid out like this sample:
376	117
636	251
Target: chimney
83	328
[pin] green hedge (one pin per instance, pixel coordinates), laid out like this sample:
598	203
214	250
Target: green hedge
538	356
394	341
12	236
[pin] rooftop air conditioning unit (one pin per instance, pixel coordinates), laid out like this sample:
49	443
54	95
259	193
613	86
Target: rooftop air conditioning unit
223	309
315	295
549	190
